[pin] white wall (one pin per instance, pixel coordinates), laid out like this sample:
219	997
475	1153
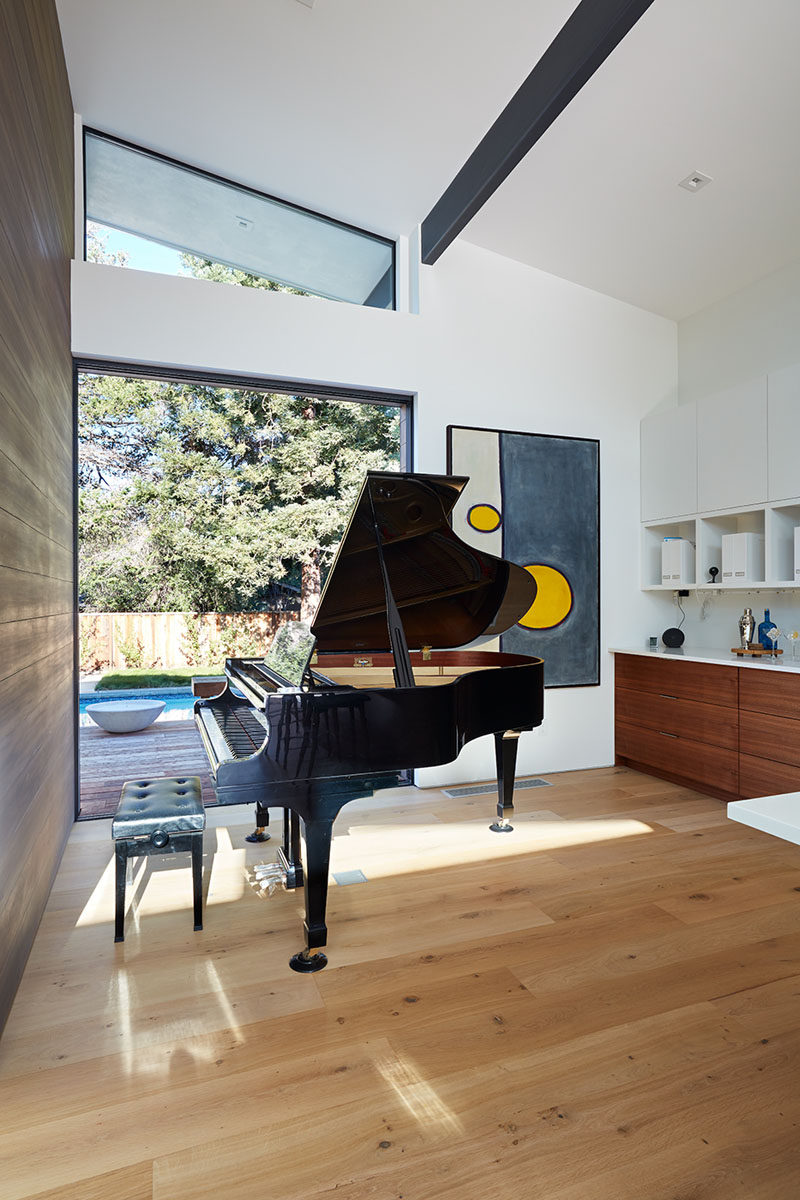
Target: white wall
495	344
742	338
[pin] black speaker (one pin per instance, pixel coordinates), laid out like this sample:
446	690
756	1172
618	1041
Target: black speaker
672	638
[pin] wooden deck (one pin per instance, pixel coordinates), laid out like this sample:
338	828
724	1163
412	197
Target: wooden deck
108	759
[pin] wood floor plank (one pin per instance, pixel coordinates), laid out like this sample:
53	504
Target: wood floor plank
129	1183
556	1015
767	1009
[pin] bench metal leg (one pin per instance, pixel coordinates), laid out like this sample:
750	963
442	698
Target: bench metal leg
121	858
197	878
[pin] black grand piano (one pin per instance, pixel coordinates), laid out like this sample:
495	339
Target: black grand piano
402	589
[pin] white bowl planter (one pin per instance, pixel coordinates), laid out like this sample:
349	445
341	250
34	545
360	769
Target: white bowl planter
125	716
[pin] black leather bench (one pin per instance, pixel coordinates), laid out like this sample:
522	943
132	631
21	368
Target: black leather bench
158	816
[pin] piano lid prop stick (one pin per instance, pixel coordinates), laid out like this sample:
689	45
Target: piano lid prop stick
403	675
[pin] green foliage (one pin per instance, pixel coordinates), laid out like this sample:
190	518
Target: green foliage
121	680
195	498
97	247
191	640
89	658
206	268
131	650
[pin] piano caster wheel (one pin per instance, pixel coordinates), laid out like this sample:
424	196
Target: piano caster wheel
260	835
305	963
501	827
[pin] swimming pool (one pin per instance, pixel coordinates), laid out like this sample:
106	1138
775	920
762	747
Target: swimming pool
179	706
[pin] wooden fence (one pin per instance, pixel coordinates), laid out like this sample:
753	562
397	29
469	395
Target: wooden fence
173	639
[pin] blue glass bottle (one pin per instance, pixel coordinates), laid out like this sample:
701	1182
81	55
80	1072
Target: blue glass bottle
763	631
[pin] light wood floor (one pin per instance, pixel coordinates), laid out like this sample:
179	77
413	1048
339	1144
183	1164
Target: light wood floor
603	1006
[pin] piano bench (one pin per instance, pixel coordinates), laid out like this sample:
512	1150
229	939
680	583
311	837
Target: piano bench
158	816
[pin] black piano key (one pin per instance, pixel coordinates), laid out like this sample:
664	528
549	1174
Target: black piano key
244	734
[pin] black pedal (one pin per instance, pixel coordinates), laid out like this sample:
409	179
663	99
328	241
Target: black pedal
292	871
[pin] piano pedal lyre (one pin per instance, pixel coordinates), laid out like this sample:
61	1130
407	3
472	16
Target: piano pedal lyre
269	876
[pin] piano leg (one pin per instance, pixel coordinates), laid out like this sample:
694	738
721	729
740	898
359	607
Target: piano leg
505	748
317	837
260	833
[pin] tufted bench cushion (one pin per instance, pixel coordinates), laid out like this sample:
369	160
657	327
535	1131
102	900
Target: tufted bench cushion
170	805
158	816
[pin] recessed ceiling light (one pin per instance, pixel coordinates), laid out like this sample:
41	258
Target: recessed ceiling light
695	181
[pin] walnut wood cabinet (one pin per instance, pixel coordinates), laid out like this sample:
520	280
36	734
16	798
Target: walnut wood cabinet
769	733
680	721
731	732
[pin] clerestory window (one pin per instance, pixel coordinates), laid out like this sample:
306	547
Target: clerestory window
147	211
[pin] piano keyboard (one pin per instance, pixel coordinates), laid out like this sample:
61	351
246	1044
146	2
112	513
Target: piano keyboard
243	731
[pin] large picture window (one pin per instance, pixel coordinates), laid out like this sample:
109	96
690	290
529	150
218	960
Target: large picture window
208	494
153	212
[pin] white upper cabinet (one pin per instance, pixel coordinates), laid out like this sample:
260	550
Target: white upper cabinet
732	447
669	463
783	409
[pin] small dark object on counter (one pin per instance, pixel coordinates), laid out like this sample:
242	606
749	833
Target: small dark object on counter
713	572
672	638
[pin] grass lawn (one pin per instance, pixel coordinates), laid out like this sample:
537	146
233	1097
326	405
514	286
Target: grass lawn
142	677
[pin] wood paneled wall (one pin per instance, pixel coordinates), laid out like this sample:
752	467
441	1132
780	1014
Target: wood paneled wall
37	729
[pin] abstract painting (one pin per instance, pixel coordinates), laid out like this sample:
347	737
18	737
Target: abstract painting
535	499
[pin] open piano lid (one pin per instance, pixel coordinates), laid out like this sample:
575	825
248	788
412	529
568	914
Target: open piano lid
447	593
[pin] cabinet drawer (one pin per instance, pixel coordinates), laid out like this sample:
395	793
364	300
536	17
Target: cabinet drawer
682	680
765	736
687	718
766	691
760	777
696	762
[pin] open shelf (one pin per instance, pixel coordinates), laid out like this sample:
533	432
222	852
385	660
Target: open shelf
782	519
653	535
775	522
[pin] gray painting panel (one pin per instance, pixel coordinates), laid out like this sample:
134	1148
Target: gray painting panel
550	516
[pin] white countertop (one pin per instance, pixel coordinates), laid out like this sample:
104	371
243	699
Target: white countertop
705	655
778	815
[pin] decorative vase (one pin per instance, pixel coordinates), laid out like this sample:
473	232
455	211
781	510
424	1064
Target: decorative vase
747	628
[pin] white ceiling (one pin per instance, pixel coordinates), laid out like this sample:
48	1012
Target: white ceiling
366	109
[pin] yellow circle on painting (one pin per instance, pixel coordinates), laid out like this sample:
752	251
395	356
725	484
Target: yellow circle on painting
483	517
553	598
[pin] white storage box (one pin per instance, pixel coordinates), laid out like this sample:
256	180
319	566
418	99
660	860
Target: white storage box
677	562
742	557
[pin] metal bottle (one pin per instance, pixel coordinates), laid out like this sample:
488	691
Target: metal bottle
747	628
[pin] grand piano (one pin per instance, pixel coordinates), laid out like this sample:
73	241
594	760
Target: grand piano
402	591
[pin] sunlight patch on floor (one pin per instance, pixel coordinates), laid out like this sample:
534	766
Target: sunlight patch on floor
95	910
385	850
163	883
417	1095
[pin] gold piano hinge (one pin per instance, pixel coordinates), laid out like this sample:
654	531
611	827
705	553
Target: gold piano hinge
426	653
362	662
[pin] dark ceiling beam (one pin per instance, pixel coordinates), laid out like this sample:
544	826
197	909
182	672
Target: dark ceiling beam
584	43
